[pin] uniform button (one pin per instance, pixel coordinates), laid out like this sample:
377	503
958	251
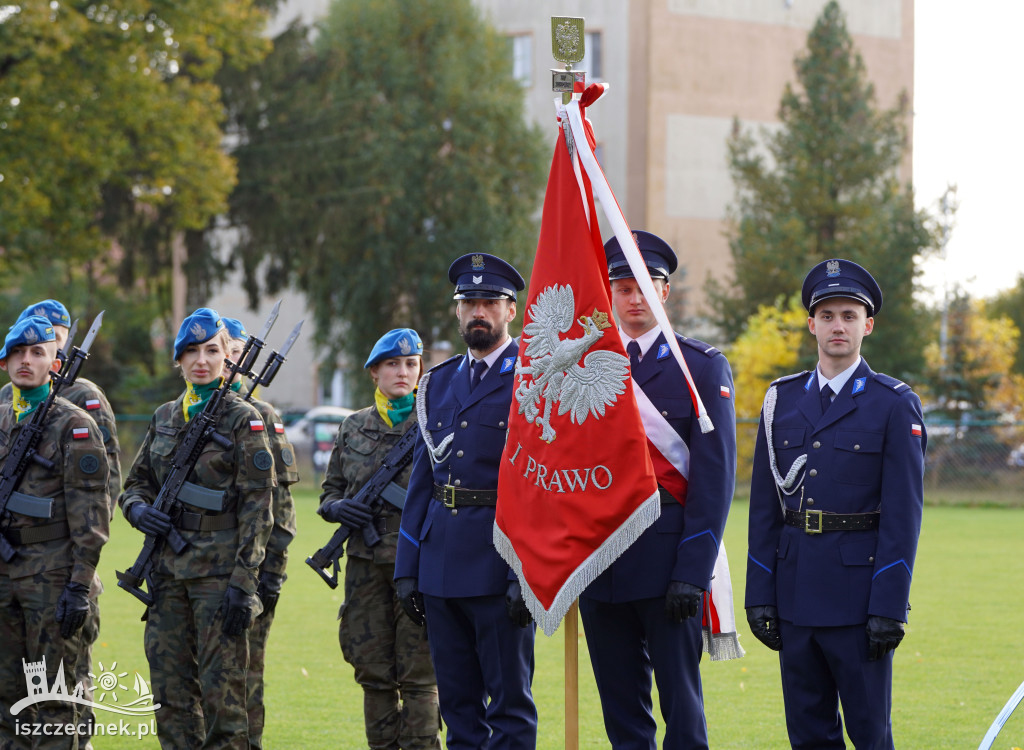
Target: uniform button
810	501
785	443
459	454
664	414
871	559
501	424
464	424
816	444
457	482
812	472
438	424
856	447
455	511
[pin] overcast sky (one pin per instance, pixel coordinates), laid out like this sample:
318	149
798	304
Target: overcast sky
968	89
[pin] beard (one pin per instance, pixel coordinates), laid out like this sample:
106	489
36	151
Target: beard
480	335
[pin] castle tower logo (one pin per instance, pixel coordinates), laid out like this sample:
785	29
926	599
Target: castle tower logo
107	682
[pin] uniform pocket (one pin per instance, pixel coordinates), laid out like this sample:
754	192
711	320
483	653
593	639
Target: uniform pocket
859	551
858	457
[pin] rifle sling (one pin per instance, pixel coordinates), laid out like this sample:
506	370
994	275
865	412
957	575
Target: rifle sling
46	532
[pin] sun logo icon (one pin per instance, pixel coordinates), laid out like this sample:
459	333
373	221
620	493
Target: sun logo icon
108	681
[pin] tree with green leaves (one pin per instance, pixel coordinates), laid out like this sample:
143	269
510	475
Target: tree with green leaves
1009	303
373	156
825	185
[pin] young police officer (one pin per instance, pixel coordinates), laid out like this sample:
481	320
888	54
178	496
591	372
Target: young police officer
44	588
835	512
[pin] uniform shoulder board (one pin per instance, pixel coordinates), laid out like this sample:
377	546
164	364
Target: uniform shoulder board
890	382
449	361
787	378
701	346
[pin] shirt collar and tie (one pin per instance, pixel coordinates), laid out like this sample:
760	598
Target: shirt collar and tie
829	388
479	367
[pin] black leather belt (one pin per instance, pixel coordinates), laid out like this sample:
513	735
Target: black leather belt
199	522
455	497
815	521
46	532
388	524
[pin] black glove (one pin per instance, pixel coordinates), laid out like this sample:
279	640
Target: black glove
148	519
72	608
884	635
682	601
516	606
237	611
269	591
411	599
348	511
764	624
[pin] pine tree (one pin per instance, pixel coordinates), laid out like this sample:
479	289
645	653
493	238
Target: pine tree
827	185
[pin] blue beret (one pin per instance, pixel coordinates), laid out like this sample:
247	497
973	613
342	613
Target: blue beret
200	326
841	278
28	330
400	342
658	257
483	276
50	309
235	328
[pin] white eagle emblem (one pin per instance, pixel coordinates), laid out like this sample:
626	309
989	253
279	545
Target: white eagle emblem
404	346
554	372
197	330
31	336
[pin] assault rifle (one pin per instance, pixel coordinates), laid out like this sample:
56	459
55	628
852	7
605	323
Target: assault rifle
202	429
373	493
273	363
23	451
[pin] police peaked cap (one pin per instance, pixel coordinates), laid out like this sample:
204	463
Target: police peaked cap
235	329
841	278
202	325
50	309
398	342
483	276
659	258
29	330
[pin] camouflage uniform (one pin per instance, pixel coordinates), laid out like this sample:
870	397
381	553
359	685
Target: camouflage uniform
388	650
32	582
273	562
89	396
198	672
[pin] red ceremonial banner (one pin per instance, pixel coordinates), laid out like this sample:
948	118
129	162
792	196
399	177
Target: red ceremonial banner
576	486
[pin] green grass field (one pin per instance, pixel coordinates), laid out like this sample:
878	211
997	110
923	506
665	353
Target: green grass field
960	661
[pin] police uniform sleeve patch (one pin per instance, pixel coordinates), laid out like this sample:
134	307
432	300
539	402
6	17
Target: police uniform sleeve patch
89	464
262	460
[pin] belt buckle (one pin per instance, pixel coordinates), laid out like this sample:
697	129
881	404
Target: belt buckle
449	503
807	521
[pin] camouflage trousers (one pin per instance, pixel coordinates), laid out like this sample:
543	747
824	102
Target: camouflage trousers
391	660
254	677
30	635
197	672
89	633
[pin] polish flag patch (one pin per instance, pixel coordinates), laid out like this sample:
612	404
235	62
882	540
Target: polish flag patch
278	428
92	404
256	425
915	430
724	391
80	433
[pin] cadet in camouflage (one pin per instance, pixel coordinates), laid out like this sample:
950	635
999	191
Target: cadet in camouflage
271	576
89	396
205	598
388	650
44	588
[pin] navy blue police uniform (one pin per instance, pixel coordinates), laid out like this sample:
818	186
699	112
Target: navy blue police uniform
629	634
483	661
836	499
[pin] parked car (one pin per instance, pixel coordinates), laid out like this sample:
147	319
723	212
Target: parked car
312	436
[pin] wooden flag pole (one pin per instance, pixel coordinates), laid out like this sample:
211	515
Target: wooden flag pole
572	681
